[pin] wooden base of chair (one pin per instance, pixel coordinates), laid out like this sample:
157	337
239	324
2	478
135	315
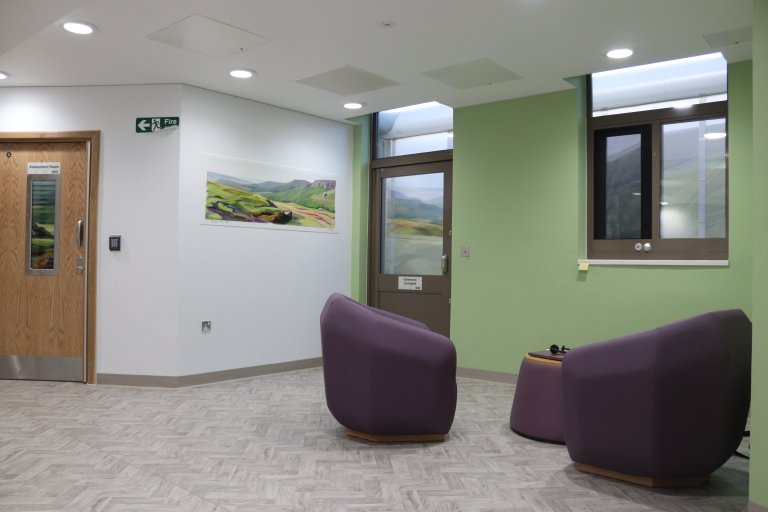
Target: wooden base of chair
406	438
644	480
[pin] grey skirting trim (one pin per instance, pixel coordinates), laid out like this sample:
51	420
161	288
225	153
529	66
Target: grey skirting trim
160	381
470	373
754	507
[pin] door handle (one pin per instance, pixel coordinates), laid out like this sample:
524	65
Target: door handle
80	232
444	263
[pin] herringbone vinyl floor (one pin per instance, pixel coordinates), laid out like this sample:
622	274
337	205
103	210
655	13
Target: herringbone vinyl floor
270	444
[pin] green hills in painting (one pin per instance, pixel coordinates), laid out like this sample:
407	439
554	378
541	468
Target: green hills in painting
296	202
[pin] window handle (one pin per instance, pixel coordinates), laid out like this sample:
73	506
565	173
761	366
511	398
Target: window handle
444	263
645	247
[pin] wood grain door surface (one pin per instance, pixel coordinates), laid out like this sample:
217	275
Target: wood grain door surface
42	314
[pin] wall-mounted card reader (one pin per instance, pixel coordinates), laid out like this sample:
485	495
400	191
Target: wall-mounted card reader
114	242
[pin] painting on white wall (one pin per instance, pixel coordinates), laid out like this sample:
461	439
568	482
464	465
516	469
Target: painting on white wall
247	193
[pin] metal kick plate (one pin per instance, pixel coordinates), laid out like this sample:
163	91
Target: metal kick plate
41	368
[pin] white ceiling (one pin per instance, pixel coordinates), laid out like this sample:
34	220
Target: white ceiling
542	41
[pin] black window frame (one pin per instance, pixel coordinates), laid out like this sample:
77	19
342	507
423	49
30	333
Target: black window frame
694	249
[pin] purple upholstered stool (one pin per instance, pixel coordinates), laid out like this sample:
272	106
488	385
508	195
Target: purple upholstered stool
537	409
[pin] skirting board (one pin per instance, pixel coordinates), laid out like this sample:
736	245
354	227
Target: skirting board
161	381
754	507
471	373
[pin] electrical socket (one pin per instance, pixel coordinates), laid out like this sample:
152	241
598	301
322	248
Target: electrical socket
206	326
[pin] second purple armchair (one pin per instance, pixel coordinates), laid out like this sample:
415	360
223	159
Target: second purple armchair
664	407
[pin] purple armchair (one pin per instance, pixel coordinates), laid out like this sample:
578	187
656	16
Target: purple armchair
387	378
665	407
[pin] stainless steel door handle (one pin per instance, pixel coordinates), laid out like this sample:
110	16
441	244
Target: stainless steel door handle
80	233
444	263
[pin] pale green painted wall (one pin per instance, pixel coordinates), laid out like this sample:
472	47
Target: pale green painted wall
360	160
519	203
758	473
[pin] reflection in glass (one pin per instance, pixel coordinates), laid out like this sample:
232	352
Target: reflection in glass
412	224
693	180
623	172
42	230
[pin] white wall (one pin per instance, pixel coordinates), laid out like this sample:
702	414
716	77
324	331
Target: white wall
136	294
263	289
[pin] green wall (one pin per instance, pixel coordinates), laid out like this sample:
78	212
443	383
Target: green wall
519	202
360	171
758	473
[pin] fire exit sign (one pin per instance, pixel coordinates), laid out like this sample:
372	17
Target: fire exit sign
155	124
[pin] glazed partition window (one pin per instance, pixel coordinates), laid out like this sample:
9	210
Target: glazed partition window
658	174
693	179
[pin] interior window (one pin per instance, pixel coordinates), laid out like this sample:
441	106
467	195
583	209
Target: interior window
657	162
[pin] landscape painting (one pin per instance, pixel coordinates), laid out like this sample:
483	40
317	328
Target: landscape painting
257	194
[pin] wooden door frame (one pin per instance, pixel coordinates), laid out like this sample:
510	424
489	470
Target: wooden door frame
94	138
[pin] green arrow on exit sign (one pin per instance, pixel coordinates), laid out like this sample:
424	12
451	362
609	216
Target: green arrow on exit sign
155	124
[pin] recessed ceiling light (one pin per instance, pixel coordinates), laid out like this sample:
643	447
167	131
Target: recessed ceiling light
714	135
241	73
4	75
619	53
78	27
353	105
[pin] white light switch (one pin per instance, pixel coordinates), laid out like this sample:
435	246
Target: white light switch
464	251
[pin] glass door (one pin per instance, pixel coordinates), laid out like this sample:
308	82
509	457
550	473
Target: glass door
411	229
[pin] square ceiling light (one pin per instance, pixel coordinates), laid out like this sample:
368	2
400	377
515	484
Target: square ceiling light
472	74
208	37
347	81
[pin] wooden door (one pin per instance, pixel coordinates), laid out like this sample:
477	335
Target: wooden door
411	241
43	252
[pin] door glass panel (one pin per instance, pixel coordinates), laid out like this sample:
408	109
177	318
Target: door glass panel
42	228
623	186
693	179
412	224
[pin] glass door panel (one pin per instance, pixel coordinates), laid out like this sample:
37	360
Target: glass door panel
412	224
42	229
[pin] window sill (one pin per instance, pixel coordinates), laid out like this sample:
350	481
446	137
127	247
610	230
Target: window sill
654	263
